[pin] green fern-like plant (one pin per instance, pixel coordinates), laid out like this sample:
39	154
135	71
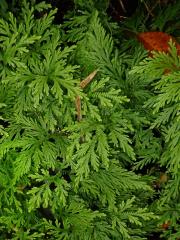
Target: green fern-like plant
62	178
163	71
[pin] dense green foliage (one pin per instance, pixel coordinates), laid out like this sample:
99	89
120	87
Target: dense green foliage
100	177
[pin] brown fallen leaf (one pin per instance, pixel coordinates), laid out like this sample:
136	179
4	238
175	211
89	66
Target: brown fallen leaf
83	84
88	79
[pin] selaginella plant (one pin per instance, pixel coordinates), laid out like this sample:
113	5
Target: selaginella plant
163	71
62	177
89	127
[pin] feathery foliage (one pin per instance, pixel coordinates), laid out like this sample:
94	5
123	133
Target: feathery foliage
64	177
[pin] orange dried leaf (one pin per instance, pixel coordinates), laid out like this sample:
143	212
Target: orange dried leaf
166	225
157	41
